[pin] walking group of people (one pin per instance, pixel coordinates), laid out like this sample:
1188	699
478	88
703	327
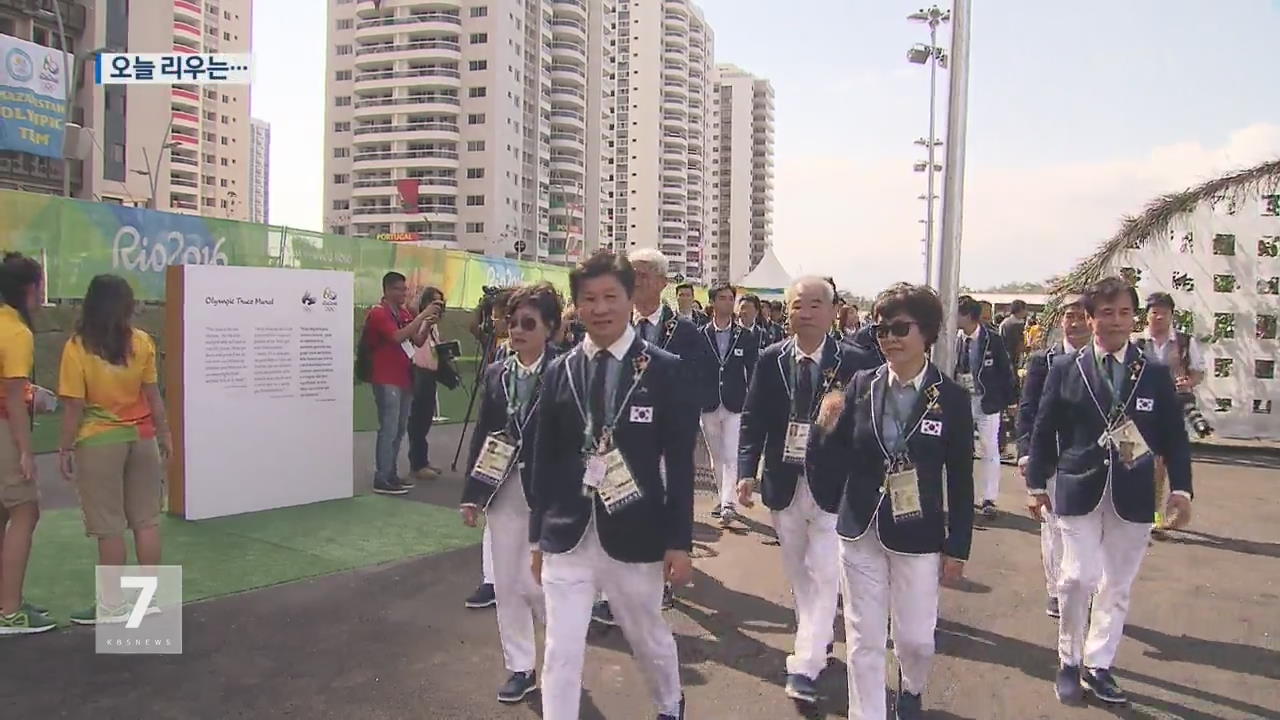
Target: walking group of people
582	467
113	442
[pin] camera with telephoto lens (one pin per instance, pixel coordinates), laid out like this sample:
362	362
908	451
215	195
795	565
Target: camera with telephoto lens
1195	419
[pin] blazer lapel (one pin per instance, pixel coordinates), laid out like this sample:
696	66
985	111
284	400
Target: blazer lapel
879	386
627	377
832	359
1135	365
932	379
1087	364
785	361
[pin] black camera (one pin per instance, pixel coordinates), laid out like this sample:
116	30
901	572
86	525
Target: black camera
1195	419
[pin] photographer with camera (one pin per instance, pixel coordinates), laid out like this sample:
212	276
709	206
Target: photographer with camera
1182	354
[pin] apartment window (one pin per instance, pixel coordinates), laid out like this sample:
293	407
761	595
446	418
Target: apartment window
341	204
475	145
207	202
475	173
475	227
344	24
211	94
342	100
477	92
342	75
210	136
341	152
479	38
117	153
340	178
342	127
481	11
209	158
223	140
223	162
475	200
226	119
475	119
222	182
226	36
343	49
478	65
226	98
210	115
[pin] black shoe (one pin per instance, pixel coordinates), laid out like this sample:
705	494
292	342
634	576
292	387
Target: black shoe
668	716
517	687
728	515
910	707
391	488
601	613
1053	609
1103	686
483	597
668	597
831	649
715	511
989	510
406	482
801	689
1067	687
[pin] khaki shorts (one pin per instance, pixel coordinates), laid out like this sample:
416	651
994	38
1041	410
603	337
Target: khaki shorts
15	490
121	486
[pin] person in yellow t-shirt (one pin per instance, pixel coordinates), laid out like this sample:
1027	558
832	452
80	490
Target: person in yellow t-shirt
20	282
114	433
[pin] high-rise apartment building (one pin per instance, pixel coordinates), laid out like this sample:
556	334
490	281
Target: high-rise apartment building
665	133
476	125
744	109
259	170
183	148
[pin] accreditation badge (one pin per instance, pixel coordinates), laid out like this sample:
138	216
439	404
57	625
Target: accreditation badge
903	487
618	487
966	381
496	457
1130	446
796	446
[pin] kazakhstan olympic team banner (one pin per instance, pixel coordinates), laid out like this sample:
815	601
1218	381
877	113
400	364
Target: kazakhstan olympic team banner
78	239
33	106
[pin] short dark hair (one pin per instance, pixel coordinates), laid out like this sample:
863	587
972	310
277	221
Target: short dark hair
603	262
1108	288
17	274
684	286
392	277
542	297
717	289
754	300
918	301
969	307
835	291
777	306
1017	306
1161	299
429	295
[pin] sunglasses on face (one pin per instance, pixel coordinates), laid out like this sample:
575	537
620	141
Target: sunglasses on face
528	324
899	328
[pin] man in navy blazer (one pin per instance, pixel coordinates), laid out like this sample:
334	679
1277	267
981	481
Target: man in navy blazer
1075	335
613	410
727	362
983	368
783	398
1104	416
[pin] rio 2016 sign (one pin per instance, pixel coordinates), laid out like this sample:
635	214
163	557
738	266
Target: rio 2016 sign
131	251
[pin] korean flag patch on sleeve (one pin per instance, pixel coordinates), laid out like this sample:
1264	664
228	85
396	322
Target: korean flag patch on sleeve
641	414
931	427
1146	405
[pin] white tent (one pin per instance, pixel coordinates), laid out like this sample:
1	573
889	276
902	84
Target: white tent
768	277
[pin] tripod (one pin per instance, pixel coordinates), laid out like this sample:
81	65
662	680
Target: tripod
487	342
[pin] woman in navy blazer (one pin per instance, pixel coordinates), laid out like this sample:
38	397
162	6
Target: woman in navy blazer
902	436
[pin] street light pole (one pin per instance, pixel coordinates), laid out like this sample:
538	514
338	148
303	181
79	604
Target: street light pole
66	84
933	95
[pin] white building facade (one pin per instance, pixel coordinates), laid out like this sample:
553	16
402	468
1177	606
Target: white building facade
259	171
744	173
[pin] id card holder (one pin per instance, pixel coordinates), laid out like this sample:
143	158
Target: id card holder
496	457
1131	447
904	494
966	381
796	445
618	487
408	348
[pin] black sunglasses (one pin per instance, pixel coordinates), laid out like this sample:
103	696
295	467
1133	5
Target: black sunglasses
899	328
528	323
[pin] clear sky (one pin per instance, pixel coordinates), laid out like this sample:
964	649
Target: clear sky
1078	113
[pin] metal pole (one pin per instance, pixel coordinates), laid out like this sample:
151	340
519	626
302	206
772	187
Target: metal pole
953	186
66	84
933	95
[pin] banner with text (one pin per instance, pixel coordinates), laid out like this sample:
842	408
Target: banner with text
33	97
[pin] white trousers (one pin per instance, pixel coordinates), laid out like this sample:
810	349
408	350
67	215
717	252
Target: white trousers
1051	548
569	582
1101	552
807	534
519	597
879	584
486	555
986	471
721	429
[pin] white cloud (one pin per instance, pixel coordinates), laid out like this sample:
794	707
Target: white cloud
859	222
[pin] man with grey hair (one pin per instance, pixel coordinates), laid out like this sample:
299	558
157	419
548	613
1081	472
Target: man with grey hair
786	392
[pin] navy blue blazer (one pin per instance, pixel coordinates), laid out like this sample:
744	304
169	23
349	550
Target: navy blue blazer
865	339
767	411
994	380
726	378
772	333
663	430
1038	364
1073	412
941	448
492	417
682	338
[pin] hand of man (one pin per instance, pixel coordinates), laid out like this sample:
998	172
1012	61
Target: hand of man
165	441
67	464
1039	504
27	466
745	486
535	565
830	409
470	515
1178	512
1022	466
952	571
677	568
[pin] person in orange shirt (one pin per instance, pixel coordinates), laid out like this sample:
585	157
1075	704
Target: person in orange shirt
115	436
20	282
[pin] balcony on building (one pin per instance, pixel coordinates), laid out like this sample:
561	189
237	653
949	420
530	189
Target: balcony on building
420	23
386	105
565	52
188	12
432	128
570	97
568	28
576	9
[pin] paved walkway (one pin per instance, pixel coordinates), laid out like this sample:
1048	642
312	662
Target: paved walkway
395	642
